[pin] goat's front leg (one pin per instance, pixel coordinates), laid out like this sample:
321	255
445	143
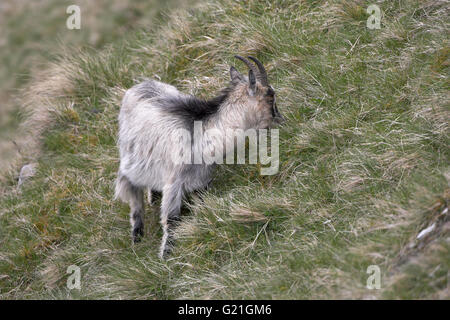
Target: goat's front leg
170	215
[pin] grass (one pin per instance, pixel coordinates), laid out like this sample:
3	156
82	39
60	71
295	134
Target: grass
34	34
364	162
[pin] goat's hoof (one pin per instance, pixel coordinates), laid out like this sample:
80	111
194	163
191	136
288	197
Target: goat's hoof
138	233
165	252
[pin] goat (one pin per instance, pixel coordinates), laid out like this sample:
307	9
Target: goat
150	117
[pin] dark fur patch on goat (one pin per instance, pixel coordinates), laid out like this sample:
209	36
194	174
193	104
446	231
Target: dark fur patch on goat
192	108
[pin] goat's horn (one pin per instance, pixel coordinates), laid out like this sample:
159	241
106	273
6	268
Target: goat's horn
262	71
249	64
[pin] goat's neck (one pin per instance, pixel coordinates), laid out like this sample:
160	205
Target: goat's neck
220	129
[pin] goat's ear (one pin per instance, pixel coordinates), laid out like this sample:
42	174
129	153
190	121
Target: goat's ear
235	75
251	82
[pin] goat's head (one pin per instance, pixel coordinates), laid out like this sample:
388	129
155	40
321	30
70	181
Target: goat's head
255	94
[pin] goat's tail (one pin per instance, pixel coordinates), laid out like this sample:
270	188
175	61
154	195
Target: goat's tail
124	188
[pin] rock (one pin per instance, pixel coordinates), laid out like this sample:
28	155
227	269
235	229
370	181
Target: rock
27	172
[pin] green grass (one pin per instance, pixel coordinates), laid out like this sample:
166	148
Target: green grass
34	34
364	162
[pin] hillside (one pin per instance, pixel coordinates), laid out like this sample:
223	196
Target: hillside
364	161
33	35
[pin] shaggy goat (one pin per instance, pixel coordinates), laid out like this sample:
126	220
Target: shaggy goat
150	120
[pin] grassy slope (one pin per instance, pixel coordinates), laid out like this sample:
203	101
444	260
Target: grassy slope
33	33
364	162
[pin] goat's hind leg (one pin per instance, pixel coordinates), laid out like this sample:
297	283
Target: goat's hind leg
134	196
137	213
170	215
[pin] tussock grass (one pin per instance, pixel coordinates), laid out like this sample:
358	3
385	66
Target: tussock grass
364	162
